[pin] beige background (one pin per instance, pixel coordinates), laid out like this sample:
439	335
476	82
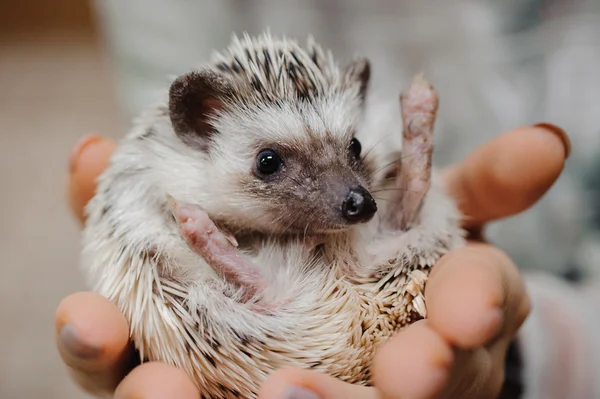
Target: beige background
54	87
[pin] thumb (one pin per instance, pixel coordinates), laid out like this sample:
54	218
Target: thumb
508	174
88	160
307	384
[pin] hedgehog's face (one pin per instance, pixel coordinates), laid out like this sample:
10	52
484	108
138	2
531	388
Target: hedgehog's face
282	167
312	184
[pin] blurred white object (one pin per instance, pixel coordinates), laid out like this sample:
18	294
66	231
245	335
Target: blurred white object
496	65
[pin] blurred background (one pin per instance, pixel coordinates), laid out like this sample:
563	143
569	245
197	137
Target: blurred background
73	67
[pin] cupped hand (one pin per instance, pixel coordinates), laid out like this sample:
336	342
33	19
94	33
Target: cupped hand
475	296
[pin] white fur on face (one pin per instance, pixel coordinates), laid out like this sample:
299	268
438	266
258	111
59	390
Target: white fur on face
240	136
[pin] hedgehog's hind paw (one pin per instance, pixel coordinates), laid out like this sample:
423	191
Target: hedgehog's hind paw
419	106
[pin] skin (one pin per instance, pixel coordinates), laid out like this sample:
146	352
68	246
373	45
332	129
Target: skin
475	296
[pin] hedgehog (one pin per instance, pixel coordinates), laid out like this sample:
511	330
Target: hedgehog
262	215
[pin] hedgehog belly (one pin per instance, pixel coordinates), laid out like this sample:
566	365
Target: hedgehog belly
232	359
335	330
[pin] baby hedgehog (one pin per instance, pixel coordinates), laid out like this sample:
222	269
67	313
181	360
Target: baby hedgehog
259	218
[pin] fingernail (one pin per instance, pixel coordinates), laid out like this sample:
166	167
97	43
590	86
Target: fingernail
73	344
79	147
293	392
560	133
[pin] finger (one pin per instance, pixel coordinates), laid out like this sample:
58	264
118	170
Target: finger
308	384
88	160
508	174
157	381
475	294
416	363
93	340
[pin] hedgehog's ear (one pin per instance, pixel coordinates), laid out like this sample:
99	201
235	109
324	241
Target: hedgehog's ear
193	99
359	72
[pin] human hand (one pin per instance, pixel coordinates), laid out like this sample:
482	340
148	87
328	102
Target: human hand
475	297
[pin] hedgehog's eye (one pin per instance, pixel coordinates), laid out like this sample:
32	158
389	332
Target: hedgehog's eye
268	162
355	148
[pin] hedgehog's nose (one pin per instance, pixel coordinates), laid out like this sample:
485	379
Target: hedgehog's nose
358	206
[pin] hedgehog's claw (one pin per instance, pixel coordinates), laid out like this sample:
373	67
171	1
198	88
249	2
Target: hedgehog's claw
216	247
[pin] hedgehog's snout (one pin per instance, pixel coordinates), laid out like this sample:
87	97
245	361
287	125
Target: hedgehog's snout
358	205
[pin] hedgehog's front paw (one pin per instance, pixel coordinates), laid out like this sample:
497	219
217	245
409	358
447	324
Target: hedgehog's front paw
196	226
216	247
